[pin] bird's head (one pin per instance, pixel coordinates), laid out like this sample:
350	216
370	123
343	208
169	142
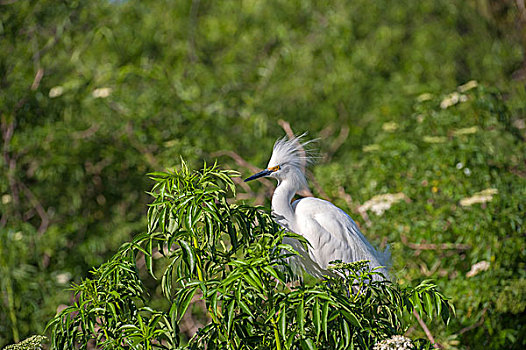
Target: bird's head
288	161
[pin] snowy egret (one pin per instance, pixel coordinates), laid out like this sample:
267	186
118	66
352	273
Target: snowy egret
331	233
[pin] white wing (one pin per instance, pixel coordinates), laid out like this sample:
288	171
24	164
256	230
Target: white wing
303	262
333	235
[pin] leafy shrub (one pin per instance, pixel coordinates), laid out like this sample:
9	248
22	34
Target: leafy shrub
201	243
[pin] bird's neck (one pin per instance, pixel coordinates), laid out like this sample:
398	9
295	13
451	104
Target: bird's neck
281	204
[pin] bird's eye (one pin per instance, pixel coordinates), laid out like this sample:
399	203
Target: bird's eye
274	168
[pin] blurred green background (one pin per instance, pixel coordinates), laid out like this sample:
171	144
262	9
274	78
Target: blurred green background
424	100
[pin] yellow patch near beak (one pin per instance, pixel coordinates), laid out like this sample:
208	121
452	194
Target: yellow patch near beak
274	168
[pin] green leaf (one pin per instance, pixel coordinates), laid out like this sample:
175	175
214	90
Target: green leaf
112	309
249	277
324	315
185	302
273	273
351	317
232	278
290	339
445	314
156	175
307	344
148	258
283	323
300	317
428	303
230	315
346	333
255	277
188	254
238	291
316	318
438	303
417	303
245	308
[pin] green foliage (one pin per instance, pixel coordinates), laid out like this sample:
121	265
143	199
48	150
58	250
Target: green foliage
200	243
94	94
439	157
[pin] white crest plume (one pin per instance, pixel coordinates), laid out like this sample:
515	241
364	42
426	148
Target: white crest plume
291	152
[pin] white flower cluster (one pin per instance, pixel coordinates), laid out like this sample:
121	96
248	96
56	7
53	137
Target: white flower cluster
396	342
478	267
457	97
31	343
452	99
382	202
102	92
479	197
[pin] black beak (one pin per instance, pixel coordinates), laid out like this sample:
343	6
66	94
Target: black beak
258	175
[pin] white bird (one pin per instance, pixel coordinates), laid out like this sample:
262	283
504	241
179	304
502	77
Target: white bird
331	233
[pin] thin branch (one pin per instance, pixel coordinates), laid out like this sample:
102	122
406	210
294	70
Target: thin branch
148	155
8	2
3	220
10	162
237	158
346	197
239	181
522	10
344	131
426	330
50	44
7	133
342	135
86	133
259	197
433	246
317	187
365	218
340	140
476	324
96	169
29	214
38	207
38	78
429	272
286	127
410	330
326	132
242	162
